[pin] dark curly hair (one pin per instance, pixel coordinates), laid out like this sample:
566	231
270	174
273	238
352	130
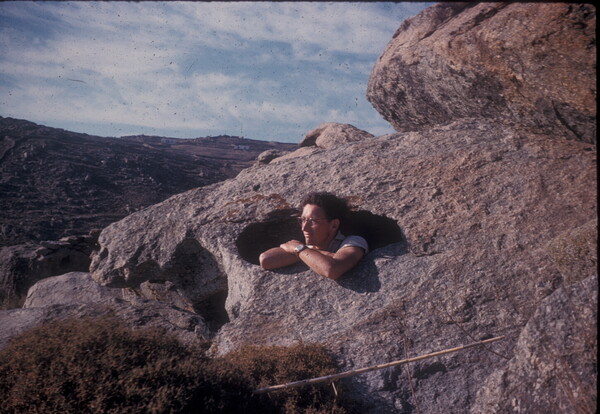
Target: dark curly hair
334	206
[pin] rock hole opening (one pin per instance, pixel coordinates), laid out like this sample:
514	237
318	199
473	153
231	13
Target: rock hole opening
378	230
258	237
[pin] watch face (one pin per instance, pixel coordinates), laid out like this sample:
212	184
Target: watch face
300	247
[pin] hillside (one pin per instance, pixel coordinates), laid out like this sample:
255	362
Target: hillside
56	183
233	152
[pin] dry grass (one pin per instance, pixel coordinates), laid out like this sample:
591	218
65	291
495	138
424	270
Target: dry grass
101	366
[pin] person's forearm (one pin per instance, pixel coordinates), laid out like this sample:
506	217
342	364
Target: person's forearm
321	262
327	264
318	261
277	257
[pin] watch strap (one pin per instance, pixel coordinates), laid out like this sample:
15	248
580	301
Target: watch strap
300	248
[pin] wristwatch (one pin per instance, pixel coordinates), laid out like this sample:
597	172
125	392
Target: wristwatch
299	248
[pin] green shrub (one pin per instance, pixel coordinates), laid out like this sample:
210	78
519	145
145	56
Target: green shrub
102	366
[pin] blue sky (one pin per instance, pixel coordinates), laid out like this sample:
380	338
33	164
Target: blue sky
263	70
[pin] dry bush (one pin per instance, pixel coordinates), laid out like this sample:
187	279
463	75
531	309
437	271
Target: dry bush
264	366
102	366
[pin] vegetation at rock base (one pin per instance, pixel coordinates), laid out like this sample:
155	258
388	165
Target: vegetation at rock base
100	365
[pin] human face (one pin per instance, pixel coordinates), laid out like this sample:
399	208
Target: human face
321	230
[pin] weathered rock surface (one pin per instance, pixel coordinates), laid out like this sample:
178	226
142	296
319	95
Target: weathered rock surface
23	265
479	226
67	289
575	252
268	156
549	354
76	294
331	134
534	64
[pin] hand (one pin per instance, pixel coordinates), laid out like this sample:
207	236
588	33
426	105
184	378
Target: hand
290	247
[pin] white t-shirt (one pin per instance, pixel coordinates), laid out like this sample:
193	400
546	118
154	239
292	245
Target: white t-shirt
342	241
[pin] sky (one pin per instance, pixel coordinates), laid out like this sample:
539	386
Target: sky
262	70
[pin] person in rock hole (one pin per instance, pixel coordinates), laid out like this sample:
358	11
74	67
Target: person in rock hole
326	250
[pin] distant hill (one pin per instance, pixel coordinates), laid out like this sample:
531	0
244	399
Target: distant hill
233	152
55	183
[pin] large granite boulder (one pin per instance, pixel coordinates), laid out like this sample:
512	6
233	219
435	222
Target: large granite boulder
472	215
530	63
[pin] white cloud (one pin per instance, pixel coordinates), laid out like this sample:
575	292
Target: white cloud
344	27
187	66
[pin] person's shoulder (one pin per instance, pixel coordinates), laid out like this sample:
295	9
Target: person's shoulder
355	241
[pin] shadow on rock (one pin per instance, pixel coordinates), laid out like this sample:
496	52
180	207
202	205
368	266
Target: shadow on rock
196	271
259	237
378	231
291	270
363	278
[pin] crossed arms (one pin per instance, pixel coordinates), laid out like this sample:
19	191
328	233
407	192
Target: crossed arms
327	264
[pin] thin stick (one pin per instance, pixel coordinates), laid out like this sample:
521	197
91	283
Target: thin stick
410	383
371	368
458	324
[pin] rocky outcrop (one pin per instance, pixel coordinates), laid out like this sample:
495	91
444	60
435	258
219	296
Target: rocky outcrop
533	64
331	134
23	265
77	295
477	206
478	227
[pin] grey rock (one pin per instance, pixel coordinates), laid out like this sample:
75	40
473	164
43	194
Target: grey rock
70	288
165	292
548	355
458	60
575	252
175	256
331	134
476	204
21	266
188	327
267	156
16	321
76	294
